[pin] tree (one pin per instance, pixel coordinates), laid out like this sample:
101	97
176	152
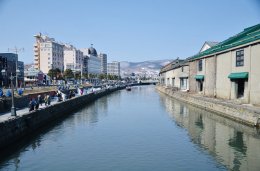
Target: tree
92	75
102	76
112	77
77	76
58	74
51	73
68	73
55	73
85	75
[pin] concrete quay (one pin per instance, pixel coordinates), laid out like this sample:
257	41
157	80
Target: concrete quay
25	123
248	115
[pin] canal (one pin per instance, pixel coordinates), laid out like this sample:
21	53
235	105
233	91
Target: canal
139	130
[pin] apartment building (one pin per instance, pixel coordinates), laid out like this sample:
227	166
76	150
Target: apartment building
113	68
103	59
73	58
48	54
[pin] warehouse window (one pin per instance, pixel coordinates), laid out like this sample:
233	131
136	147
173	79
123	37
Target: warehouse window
240	58
200	65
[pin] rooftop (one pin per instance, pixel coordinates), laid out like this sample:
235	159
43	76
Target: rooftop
248	35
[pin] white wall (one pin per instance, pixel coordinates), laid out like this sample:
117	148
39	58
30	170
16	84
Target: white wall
254	75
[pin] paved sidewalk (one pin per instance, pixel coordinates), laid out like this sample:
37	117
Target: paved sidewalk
7	115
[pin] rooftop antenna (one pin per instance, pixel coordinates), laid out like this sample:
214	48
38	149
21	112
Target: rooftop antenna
16	51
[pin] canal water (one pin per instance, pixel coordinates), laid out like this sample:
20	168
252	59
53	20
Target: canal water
139	130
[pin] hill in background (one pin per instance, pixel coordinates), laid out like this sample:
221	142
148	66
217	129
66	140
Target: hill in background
148	67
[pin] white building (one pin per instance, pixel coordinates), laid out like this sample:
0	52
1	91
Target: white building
176	74
103	59
48	54
113	68
73	58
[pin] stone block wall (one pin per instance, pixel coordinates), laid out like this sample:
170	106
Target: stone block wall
192	74
235	112
210	76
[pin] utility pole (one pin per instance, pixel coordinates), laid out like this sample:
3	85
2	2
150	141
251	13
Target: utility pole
16	51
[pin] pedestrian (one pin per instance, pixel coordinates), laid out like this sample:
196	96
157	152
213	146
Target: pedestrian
63	96
49	99
58	95
34	103
31	105
70	94
39	99
46	100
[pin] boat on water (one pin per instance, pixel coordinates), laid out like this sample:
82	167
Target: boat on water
128	88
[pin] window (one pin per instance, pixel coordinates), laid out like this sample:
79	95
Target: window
240	58
181	69
200	65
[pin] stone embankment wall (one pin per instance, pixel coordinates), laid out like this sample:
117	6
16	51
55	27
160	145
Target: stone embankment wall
17	127
238	113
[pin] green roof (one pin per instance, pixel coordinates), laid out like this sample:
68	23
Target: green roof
199	77
249	34
238	75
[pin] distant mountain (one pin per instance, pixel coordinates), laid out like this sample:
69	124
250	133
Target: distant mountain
152	66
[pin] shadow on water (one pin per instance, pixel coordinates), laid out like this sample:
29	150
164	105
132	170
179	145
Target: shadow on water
234	145
88	114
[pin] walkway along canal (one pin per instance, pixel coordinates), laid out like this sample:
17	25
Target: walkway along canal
140	129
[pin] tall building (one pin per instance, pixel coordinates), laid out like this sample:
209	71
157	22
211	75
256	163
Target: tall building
9	63
113	68
92	60
73	58
103	58
48	54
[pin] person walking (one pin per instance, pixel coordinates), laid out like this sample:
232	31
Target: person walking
31	106
46	100
34	103
49	100
39	99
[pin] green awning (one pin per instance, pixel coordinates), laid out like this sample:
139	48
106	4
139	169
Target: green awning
199	77
238	75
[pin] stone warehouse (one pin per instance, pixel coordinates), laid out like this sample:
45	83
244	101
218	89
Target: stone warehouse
227	70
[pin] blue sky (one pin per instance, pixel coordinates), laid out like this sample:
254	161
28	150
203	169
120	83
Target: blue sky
127	30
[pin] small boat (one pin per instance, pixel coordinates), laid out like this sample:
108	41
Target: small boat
128	88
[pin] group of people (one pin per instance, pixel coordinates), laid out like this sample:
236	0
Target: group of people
63	95
35	103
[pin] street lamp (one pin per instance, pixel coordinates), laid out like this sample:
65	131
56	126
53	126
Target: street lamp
13	109
3	72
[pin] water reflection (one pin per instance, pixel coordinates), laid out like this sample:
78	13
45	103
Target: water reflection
131	131
96	110
232	144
